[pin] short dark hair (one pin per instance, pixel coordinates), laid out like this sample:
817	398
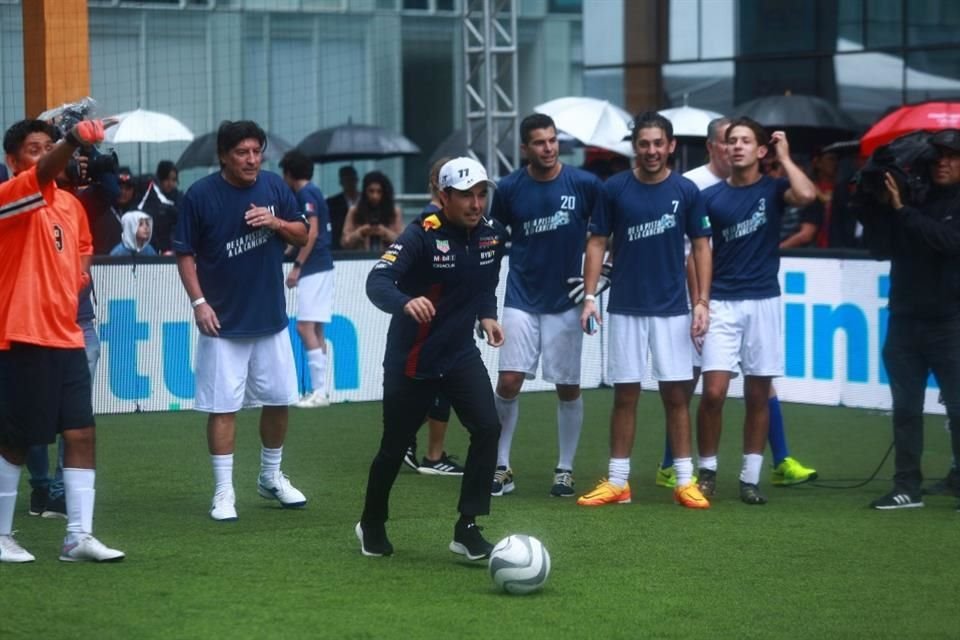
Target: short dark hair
165	168
16	134
650	120
347	170
763	138
297	164
434	179
713	128
232	133
535	121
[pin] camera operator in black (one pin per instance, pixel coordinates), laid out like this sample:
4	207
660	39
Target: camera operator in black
437	280
922	241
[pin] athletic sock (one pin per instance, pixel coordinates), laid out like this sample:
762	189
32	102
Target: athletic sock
708	462
619	471
507	411
79	492
317	361
668	460
569	423
9	481
777	436
684	467
750	471
270	461
222	472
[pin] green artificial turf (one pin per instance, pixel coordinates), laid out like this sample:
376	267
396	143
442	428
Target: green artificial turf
813	563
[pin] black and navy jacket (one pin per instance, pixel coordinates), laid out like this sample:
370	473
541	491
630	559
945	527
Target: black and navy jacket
457	269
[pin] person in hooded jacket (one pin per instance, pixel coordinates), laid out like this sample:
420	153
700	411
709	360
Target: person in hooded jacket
136	234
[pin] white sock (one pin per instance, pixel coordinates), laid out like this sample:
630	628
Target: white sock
684	468
9	480
619	471
79	493
708	462
222	472
317	361
270	461
508	412
569	423
750	472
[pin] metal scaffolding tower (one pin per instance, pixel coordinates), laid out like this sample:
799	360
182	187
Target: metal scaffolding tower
490	83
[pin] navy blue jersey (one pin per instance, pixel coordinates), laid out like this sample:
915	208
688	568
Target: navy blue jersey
239	267
548	232
458	270
648	223
746	238
313	205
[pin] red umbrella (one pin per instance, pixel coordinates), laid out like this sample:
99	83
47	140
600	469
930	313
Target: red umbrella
926	116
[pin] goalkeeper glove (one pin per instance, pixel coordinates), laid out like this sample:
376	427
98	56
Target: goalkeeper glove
576	284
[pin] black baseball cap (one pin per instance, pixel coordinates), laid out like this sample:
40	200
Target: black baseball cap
947	139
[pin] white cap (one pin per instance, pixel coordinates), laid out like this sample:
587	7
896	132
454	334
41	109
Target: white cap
462	173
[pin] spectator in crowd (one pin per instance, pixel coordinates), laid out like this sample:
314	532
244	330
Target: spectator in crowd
105	210
137	231
799	226
375	221
342	202
824	166
311	275
161	200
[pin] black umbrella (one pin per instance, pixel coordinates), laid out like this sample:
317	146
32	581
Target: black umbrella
808	120
202	152
356	142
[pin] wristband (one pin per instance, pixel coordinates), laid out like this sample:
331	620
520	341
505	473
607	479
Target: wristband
199	301
589	298
297	264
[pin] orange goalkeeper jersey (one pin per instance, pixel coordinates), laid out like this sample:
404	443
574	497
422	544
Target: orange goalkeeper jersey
43	234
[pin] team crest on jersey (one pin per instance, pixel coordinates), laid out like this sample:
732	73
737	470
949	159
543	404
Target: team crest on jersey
431	222
443	246
310	207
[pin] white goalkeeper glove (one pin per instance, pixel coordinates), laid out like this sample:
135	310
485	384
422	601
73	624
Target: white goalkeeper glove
576	284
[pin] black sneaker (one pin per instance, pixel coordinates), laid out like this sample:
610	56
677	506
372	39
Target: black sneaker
948	486
38	501
469	542
562	483
897	499
373	540
445	466
410	457
750	494
56	507
707	482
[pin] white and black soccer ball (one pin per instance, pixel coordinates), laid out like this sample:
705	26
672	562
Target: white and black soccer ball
519	564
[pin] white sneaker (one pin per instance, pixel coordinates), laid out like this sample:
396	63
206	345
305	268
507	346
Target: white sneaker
314	400
278	487
89	549
10	551
224	505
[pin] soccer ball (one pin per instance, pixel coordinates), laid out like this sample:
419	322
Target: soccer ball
519	564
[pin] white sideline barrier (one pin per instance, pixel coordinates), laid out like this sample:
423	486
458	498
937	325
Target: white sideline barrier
833	321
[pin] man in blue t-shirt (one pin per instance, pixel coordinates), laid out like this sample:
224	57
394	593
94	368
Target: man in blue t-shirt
233	229
649	211
312	274
745	312
547	206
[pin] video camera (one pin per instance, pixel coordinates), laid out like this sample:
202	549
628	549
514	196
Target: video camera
907	159
99	163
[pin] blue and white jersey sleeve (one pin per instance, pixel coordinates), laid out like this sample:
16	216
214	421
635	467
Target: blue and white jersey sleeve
746	238
548	228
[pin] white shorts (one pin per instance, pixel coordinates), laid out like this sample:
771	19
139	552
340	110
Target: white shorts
556	338
233	373
745	332
315	297
665	339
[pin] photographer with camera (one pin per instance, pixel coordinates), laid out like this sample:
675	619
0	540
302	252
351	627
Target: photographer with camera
44	378
919	231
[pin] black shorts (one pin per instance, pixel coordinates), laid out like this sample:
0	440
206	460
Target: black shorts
43	391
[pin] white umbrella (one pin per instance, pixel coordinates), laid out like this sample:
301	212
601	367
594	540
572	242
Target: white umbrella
593	122
690	121
141	125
